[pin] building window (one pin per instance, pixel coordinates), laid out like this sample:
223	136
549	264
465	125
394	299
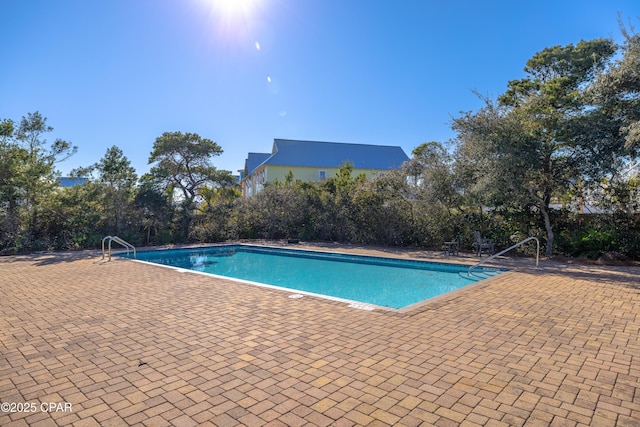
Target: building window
322	176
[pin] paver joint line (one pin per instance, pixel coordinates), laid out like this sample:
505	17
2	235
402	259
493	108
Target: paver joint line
126	342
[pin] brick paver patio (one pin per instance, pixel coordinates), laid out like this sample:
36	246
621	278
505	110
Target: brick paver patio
124	343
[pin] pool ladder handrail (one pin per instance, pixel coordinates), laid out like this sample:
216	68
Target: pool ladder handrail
507	250
122	242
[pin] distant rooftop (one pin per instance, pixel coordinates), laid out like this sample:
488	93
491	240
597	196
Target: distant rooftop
254	160
288	152
66	181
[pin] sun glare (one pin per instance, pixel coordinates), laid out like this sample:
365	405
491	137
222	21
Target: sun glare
234	9
234	19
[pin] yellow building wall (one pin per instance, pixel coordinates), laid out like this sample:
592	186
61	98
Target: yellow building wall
310	174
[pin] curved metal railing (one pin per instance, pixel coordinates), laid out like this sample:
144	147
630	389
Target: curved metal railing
507	250
120	241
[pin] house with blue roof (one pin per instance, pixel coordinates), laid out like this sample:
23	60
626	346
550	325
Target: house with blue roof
66	181
316	161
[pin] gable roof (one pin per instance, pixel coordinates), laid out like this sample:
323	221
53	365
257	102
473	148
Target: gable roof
287	152
254	160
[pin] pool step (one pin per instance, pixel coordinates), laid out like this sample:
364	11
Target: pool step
485	274
481	275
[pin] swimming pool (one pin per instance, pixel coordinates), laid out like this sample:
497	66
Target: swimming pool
384	282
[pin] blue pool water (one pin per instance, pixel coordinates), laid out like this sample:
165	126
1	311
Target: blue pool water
379	281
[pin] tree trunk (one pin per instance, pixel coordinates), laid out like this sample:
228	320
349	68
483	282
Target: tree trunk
547	225
187	217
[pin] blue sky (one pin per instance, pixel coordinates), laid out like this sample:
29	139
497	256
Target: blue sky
388	72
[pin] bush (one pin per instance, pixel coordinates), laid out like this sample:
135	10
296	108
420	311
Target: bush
593	243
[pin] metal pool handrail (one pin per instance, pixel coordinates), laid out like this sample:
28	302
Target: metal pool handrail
121	242
507	250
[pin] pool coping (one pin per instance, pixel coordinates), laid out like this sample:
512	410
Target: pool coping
294	292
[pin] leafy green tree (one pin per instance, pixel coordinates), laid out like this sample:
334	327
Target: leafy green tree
213	217
73	217
284	211
431	173
6	131
617	90
435	191
39	169
538	139
155	209
334	206
27	176
212	196
11	159
382	213
183	163
118	179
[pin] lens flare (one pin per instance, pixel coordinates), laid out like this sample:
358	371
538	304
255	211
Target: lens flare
234	19
233	9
